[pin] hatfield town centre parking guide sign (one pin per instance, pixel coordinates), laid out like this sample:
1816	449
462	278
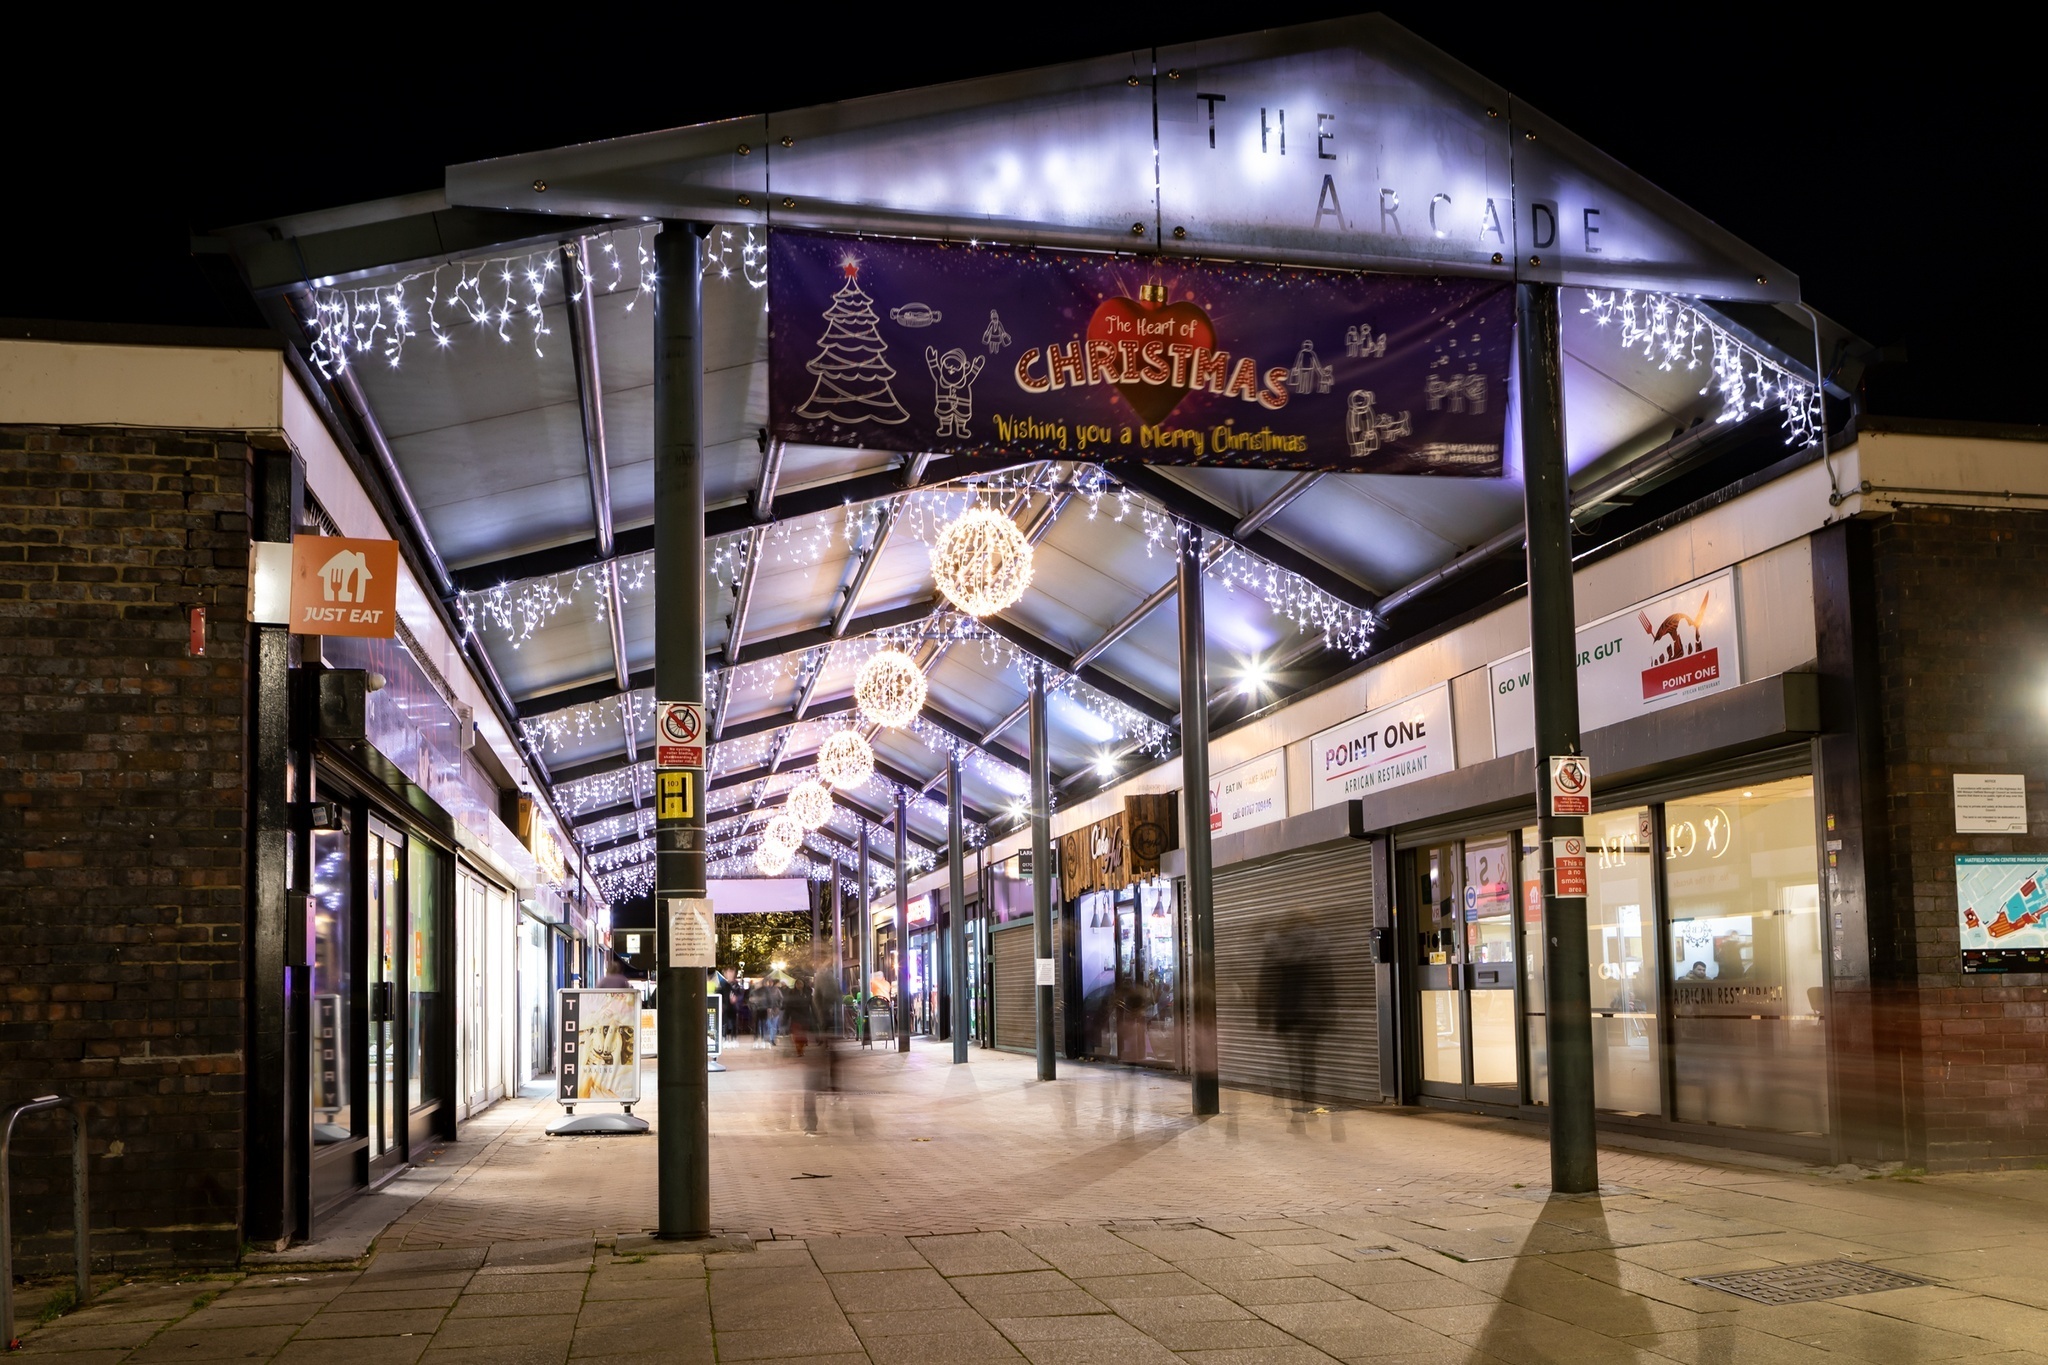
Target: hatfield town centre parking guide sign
984	350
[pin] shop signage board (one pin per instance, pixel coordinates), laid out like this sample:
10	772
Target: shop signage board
344	586
2002	911
1568	863
1249	795
1667	649
1384	748
986	350
679	734
692	937
600	1046
1991	803
1571	785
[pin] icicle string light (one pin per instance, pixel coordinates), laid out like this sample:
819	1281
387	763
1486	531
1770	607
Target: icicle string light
1290	596
1677	335
505	295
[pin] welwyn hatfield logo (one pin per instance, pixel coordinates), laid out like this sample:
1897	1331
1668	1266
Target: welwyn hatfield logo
1680	664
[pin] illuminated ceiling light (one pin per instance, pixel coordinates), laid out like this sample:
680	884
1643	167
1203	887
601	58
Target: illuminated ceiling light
810	802
784	831
982	562
1106	764
772	858
845	760
1254	678
890	689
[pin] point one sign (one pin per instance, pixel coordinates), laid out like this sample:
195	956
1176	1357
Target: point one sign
1386	747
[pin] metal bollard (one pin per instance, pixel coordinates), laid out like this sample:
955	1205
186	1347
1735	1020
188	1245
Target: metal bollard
81	1228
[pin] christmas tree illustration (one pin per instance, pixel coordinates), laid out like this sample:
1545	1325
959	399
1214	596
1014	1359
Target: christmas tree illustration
853	379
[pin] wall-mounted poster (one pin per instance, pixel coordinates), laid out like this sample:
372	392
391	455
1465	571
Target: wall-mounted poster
1249	795
2002	911
1657	653
600	1046
975	349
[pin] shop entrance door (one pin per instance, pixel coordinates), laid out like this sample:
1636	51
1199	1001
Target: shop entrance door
1463	899
385	938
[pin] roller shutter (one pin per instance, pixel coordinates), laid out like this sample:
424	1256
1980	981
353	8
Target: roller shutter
1016	1006
1332	886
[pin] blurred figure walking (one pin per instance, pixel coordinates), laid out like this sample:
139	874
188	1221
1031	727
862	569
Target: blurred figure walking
1295	995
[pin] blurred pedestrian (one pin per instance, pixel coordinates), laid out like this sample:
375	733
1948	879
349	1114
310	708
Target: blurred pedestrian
1296	994
771	1009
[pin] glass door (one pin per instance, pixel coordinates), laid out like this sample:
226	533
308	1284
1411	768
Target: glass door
384	940
1159	915
1489	976
1463	898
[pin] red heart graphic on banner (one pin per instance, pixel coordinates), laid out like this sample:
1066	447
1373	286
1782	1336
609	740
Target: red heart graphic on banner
1148	318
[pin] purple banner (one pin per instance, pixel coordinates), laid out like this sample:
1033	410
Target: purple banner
982	350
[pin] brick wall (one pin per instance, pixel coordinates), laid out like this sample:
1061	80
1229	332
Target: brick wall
121	832
1963	643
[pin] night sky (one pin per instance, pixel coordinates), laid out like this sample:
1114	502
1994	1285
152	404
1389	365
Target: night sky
1891	167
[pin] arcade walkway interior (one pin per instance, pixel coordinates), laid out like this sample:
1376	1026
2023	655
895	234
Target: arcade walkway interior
926	1212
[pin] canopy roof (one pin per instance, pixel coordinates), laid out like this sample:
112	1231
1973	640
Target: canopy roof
493	343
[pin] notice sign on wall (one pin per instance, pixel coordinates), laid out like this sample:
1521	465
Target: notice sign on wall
342	586
1384	748
1991	803
1249	795
984	350
1654	654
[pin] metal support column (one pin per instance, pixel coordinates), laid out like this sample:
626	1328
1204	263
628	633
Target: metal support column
1194	824
902	920
1546	494
864	924
956	906
684	1132
1041	872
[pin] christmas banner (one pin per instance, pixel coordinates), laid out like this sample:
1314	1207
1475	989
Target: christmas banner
982	350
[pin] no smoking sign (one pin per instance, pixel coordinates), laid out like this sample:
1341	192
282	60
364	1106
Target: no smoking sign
679	734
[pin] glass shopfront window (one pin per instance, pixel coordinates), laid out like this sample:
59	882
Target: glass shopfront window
426	1082
333	911
1746	958
1706	952
1535	1004
1621	952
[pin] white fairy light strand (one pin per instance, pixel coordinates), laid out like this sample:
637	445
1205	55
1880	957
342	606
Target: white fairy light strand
1678	335
504	294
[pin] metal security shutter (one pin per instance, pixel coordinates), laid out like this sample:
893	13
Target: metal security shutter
1016	1004
1333	887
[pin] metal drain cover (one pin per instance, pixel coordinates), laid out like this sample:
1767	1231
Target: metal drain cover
1808	1283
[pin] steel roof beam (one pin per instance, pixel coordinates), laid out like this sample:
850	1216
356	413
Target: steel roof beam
1191	506
1046	652
792	505
1250	523
776	646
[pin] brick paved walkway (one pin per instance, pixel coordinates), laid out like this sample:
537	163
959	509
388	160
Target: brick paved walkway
946	1214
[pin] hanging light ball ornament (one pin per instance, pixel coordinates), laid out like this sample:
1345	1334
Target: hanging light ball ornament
845	760
810	801
784	831
890	689
772	858
982	561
